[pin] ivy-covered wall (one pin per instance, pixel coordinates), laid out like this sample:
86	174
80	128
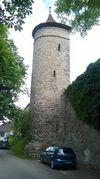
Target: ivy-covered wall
84	95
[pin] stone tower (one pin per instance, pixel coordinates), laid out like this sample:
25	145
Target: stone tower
50	76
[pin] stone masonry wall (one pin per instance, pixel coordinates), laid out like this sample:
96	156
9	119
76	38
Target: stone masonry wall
83	139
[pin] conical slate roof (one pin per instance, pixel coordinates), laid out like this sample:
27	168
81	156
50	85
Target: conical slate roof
50	23
50	18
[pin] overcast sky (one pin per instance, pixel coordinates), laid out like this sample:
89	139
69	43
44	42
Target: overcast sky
82	51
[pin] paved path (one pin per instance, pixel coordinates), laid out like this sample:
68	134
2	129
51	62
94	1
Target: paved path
12	167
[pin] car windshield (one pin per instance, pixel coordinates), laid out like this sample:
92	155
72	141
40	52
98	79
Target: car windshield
65	151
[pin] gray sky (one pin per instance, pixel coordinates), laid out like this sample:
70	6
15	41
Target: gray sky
82	51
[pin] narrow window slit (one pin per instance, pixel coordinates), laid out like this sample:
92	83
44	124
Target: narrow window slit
59	47
54	73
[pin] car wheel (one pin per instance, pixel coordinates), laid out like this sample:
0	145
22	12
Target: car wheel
74	167
52	164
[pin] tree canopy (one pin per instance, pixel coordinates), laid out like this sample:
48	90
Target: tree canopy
12	74
84	94
13	12
82	14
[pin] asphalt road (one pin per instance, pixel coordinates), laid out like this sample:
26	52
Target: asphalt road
12	167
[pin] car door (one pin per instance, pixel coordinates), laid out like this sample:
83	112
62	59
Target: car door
43	155
46	155
50	154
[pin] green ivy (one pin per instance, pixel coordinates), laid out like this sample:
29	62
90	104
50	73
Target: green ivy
84	94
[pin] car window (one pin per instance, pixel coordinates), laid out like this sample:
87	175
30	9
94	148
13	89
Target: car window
48	149
52	149
65	151
60	151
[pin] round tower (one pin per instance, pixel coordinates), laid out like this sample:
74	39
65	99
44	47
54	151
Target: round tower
50	76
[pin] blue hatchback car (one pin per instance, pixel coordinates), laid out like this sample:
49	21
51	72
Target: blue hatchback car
59	157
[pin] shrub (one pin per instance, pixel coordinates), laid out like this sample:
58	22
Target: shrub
18	140
84	94
17	145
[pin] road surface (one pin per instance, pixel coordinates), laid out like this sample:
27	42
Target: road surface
12	167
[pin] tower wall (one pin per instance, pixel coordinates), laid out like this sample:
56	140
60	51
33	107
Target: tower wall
50	75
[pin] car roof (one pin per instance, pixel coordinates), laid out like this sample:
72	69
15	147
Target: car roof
60	147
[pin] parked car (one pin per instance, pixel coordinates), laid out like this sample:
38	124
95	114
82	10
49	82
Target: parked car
57	156
4	144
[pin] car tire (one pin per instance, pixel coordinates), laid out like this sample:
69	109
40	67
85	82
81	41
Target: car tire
52	164
74	167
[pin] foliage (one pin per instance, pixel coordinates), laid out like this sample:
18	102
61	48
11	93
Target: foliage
13	12
18	140
17	145
84	94
12	74
83	14
21	123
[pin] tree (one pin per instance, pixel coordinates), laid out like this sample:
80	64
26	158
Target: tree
84	94
12	74
18	141
83	14
13	12
21	123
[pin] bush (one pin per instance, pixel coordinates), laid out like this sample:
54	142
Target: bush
17	144
84	94
18	140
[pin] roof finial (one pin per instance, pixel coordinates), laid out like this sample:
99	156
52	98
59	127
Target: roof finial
49	10
50	18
